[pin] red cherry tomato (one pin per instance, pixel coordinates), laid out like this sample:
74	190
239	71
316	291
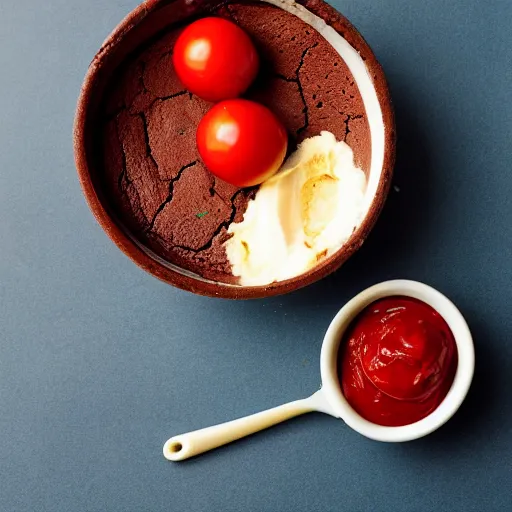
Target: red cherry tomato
241	142
215	59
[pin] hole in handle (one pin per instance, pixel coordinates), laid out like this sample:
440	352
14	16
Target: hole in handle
175	447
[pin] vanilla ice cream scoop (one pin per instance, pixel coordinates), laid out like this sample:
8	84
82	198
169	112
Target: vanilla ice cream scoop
301	215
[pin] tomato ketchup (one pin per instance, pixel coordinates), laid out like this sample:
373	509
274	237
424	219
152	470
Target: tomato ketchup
397	361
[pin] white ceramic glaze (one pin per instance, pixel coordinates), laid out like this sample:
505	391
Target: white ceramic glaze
330	400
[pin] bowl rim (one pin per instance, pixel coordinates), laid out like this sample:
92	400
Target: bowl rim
147	260
461	382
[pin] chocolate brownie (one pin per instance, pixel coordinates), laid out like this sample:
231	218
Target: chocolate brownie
153	174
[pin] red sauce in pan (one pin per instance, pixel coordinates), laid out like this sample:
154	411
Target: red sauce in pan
397	362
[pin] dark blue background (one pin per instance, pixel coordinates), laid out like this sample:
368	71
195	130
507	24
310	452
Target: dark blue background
100	363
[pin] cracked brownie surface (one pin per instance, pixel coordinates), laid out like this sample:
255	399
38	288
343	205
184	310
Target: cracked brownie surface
153	175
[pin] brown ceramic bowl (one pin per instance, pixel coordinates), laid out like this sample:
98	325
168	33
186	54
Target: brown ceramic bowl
142	26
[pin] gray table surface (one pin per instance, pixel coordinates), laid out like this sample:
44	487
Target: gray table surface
100	363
